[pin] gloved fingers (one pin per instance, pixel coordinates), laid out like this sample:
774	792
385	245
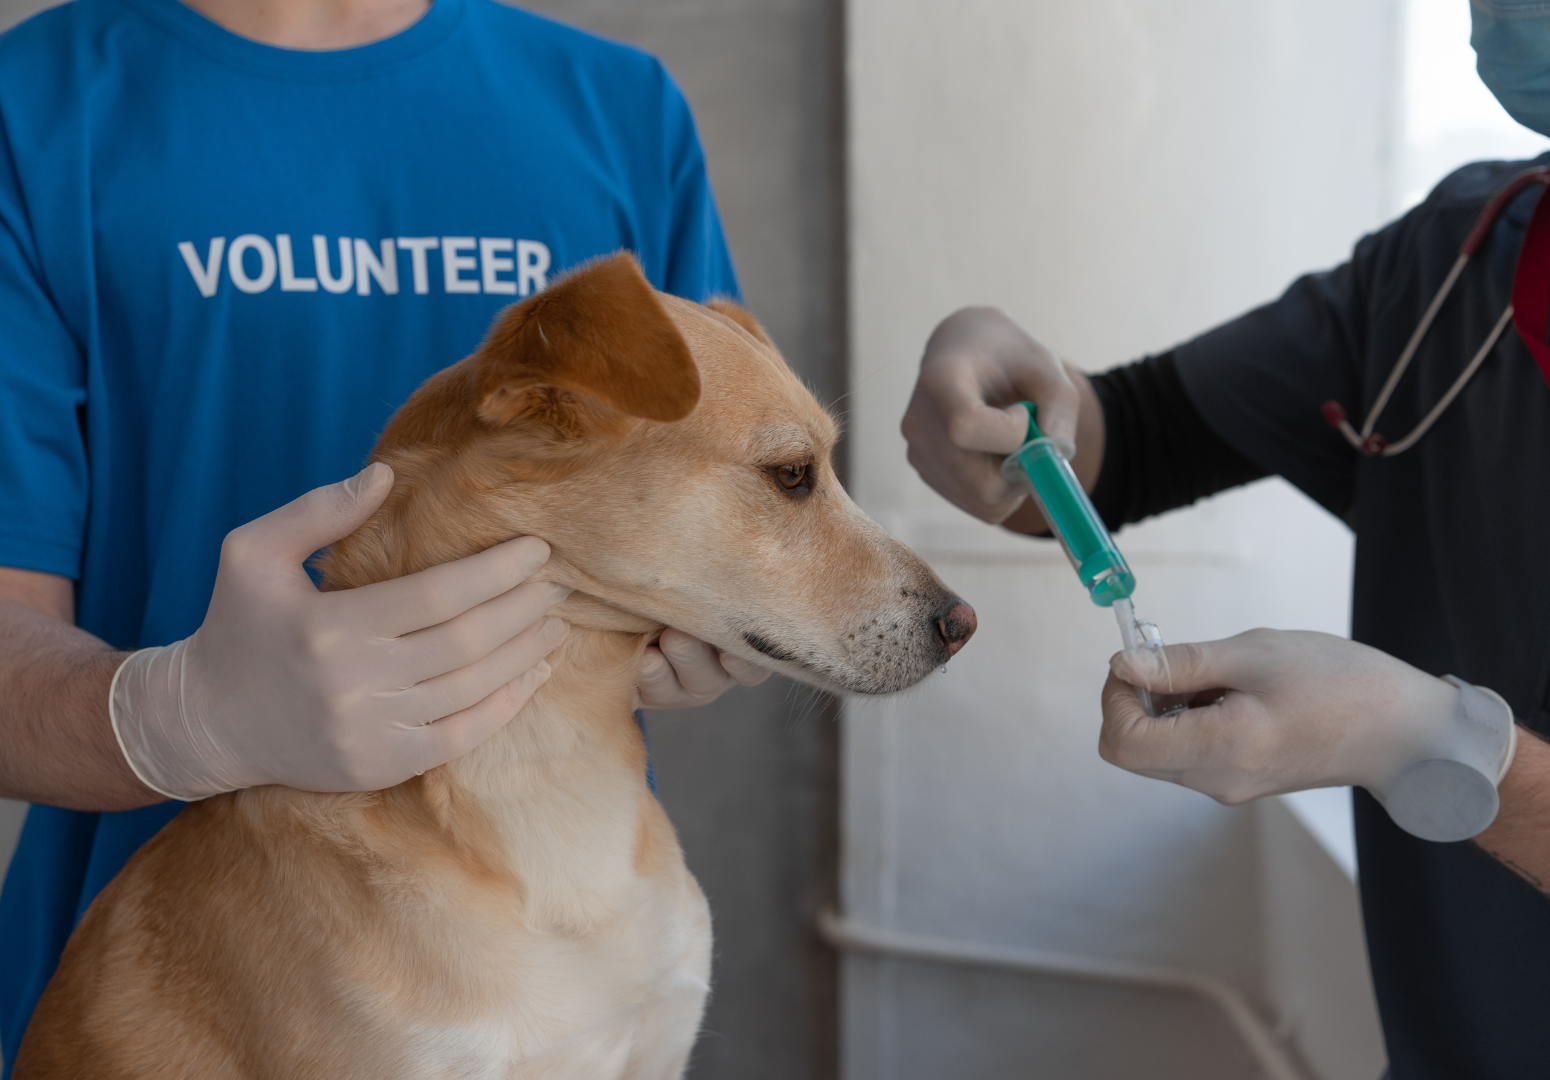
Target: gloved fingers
1221	746
444	695
980	361
289	534
697	664
680	672
1242	662
1131	739
957	440
433	596
474	634
1161	747
746	672
968	479
962	420
453	736
970	422
1045	381
988	429
657	685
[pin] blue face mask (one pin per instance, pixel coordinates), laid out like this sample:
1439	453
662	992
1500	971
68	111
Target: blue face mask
1512	54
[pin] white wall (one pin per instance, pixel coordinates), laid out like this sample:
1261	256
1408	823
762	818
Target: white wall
1118	176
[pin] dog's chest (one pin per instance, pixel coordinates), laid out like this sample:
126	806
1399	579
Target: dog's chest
624	1002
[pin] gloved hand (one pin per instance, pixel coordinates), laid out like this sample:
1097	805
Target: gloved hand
354	690
682	671
1278	711
957	435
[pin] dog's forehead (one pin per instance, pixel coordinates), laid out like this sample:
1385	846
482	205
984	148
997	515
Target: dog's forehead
746	386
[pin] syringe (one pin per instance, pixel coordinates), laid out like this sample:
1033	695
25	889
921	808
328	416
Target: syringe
1044	465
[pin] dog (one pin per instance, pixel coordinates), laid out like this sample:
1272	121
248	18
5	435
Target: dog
523	911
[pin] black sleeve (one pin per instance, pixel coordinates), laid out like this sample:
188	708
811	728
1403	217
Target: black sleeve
1158	452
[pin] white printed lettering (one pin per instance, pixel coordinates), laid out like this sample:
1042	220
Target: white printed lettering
417	246
239	274
384	270
453	264
491	264
532	266
207	276
346	276
469	264
289	282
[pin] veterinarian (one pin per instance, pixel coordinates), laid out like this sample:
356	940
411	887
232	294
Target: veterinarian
234	235
1451	575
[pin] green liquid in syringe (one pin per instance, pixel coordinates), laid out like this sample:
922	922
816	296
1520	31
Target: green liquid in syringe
1072	517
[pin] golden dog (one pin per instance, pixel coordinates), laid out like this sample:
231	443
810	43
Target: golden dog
523	911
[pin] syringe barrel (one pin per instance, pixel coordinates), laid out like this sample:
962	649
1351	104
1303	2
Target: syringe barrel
1072	517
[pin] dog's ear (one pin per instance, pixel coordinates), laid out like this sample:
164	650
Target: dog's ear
740	315
599	332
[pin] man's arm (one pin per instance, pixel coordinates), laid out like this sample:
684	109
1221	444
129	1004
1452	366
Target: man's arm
54	679
1520	837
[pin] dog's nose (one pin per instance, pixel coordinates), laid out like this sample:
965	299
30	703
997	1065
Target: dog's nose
956	625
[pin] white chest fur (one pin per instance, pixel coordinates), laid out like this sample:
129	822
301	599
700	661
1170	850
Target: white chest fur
596	965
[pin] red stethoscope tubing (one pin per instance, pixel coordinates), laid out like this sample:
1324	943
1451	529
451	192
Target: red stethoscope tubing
1370	442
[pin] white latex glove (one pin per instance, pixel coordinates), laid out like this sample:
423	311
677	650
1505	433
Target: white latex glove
682	671
1284	711
354	690
963	417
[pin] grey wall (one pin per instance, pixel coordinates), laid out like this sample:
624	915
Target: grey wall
750	782
764	81
14	11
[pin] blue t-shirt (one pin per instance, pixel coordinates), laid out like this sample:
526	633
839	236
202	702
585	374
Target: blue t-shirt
223	265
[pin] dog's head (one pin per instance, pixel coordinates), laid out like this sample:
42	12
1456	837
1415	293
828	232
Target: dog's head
681	475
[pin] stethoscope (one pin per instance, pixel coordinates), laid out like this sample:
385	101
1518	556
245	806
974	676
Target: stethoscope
1371	443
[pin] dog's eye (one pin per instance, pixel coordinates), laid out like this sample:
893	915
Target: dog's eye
794	479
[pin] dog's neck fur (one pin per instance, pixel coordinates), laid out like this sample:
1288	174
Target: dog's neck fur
567	774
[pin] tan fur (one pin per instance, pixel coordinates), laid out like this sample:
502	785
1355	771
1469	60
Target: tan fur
523	911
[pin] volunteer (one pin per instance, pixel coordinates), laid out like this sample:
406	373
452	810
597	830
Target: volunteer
234	235
1451	575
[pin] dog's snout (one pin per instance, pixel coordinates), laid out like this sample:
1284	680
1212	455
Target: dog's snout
955	625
